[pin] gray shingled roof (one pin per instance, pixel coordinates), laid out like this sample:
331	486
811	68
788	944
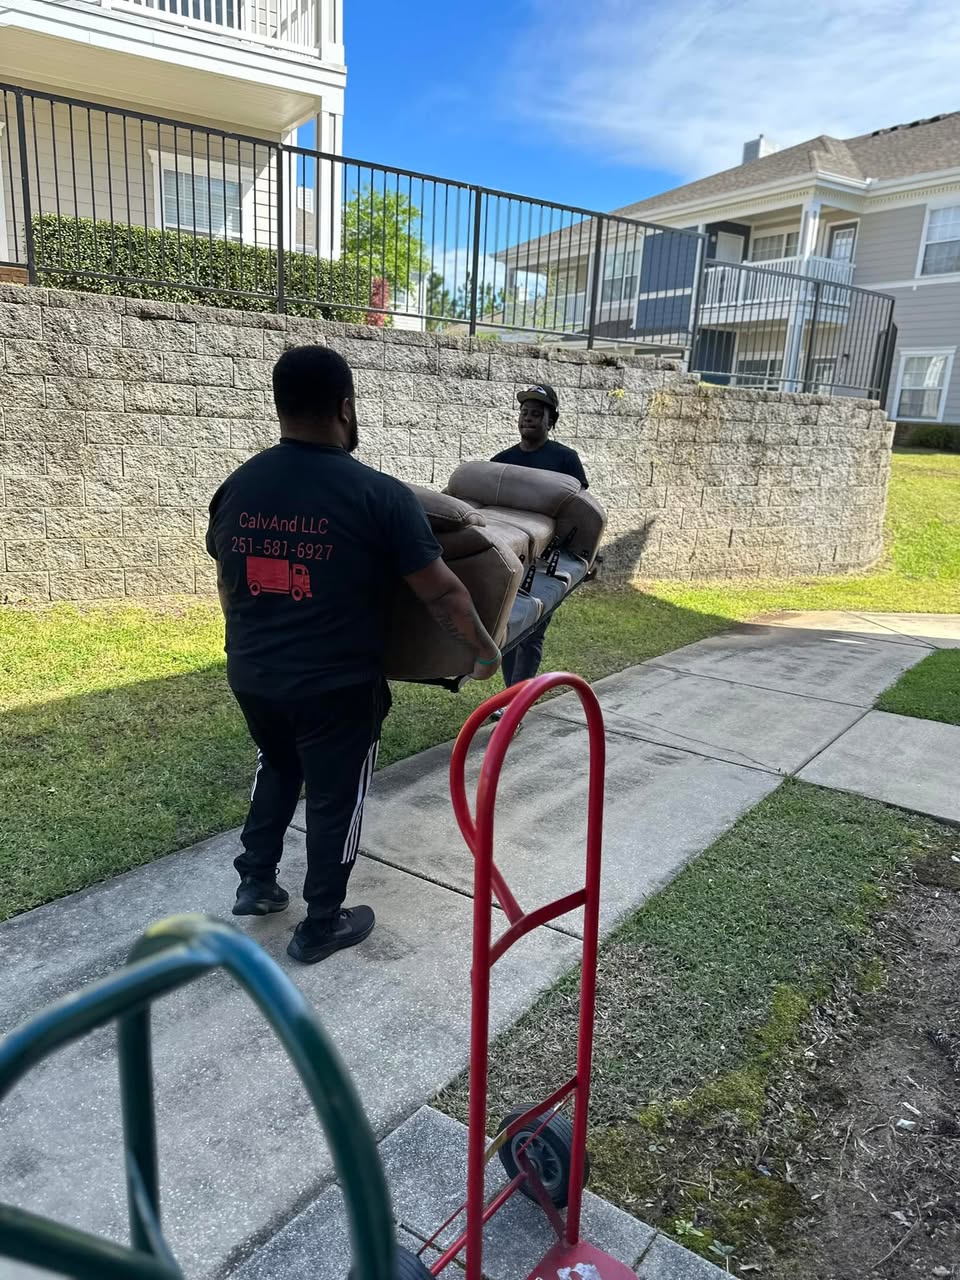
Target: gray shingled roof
922	147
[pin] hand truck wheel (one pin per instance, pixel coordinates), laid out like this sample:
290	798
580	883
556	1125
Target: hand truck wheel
549	1153
409	1266
406	1266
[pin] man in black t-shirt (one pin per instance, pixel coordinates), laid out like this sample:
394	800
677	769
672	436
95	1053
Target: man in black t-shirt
539	411
310	544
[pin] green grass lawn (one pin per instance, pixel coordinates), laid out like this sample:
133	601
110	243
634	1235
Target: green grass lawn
122	742
930	690
920	572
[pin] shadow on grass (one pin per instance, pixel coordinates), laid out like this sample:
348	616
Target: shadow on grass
97	783
100	782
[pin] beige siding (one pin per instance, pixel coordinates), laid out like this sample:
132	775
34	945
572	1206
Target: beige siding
99	164
928	318
888	245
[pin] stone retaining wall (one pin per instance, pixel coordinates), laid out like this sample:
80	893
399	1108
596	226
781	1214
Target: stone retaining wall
120	418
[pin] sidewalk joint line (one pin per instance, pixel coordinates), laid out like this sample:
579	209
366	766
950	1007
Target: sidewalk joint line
462	893
902	635
827	747
746	684
745	762
419	875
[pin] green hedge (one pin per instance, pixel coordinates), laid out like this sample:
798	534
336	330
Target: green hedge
934	435
140	262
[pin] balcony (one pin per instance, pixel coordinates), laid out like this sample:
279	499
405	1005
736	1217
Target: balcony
740	292
293	25
259	67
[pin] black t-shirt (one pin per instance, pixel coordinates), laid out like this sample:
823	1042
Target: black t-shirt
551	456
310	544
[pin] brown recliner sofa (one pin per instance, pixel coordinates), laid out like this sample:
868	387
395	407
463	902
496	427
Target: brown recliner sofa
519	539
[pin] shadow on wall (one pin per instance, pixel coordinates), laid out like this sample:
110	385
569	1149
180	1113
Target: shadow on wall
622	555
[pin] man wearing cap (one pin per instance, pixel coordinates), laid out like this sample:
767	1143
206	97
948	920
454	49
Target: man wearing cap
539	411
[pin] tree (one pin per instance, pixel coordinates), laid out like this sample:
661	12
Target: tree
381	239
438	301
446	306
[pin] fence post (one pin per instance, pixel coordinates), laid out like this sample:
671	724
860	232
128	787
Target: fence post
812	338
595	278
281	238
696	300
475	261
886	367
25	189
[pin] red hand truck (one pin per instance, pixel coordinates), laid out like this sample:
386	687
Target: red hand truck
543	1153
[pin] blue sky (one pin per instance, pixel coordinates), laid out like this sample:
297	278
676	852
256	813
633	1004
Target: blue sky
454	76
603	102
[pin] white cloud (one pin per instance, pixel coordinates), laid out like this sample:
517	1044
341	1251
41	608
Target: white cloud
681	85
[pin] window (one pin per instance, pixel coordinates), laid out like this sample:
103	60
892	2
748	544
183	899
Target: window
841	242
822	373
759	371
768	248
941	248
923	380
201	203
619	275
204	196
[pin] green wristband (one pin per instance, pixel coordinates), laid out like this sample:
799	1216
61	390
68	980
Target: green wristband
488	662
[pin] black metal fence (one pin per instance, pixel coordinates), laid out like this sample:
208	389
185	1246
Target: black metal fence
779	330
112	201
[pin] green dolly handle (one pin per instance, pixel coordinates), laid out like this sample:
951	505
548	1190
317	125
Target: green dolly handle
170	954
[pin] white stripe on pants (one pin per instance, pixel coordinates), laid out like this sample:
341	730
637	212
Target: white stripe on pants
353	831
256	775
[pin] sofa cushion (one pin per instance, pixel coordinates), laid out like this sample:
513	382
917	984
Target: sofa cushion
511	535
581	522
417	646
498	484
445	512
538	528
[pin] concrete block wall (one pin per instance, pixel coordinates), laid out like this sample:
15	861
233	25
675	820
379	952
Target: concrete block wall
119	418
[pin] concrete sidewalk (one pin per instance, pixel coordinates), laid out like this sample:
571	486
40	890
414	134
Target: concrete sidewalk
695	738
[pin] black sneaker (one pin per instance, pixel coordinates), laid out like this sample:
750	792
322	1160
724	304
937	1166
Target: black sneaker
495	717
257	897
312	941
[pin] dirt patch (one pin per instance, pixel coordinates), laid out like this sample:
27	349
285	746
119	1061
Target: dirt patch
882	1154
838	1159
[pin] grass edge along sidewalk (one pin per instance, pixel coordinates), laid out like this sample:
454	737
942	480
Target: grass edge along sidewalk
703	994
928	691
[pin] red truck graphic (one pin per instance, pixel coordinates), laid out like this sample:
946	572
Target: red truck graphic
277	576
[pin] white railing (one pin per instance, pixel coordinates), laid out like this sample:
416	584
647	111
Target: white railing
747	283
287	24
566	311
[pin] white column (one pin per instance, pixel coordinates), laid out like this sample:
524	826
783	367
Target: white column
328	193
4	250
800	307
291	213
809	228
328	22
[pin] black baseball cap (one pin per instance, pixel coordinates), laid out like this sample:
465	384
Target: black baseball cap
543	393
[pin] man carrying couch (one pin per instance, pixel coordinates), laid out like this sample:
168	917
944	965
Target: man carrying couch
539	411
309	545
